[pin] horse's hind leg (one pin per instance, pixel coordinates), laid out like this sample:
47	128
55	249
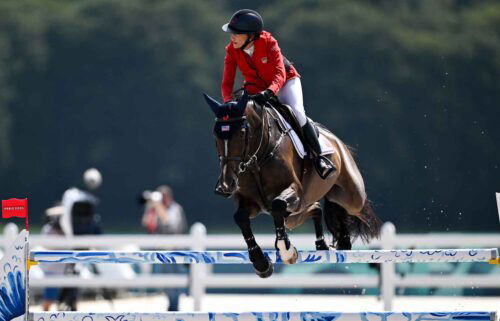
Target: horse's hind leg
317	215
261	264
335	219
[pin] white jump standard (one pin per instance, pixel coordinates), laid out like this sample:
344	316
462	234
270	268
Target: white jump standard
14	287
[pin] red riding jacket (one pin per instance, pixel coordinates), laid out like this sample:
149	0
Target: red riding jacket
265	69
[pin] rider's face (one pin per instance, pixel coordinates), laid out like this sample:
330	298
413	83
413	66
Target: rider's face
238	40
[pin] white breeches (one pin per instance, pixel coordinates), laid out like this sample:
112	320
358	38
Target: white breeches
291	94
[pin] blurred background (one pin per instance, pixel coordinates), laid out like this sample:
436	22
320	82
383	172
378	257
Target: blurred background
413	86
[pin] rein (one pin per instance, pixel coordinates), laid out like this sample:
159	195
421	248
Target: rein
254	159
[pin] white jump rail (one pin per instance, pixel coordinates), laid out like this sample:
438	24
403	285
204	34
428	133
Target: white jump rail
14	294
242	257
266	316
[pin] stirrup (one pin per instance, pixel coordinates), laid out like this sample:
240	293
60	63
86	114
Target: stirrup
327	170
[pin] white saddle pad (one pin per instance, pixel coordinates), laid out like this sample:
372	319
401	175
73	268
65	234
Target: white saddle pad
326	145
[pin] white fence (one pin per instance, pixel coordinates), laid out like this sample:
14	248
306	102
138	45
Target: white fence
201	278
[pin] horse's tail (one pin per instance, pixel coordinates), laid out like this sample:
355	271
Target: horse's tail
366	225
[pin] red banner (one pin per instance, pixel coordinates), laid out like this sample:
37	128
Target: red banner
15	207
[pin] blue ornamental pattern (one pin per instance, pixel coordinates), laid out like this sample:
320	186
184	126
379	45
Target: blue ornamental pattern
241	257
13	286
266	316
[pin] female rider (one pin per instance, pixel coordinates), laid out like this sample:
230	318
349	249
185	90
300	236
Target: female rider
267	73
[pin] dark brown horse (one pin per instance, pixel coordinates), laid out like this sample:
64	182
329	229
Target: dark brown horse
262	171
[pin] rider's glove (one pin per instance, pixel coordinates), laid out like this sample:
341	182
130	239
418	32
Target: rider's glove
263	97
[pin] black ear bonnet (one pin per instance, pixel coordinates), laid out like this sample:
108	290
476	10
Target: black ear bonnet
230	116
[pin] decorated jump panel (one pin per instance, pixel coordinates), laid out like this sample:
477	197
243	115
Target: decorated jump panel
241	257
13	279
265	316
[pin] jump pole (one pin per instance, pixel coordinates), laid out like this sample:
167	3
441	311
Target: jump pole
14	288
241	257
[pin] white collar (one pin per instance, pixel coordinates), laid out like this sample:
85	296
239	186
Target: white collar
249	51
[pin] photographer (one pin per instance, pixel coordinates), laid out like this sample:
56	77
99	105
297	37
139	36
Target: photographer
163	215
79	217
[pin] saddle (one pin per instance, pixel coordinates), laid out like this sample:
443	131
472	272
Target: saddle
286	112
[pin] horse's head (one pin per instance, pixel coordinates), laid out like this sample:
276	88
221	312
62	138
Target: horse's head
231	131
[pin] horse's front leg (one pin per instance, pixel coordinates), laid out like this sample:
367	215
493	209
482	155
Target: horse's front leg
262	266
282	205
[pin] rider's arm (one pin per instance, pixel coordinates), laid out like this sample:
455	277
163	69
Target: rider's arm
228	75
276	62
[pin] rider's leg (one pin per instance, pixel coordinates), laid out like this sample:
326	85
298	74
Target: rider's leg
291	94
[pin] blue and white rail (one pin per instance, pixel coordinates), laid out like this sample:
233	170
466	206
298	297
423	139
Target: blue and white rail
266	316
241	257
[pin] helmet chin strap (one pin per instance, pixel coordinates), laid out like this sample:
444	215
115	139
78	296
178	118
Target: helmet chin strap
250	38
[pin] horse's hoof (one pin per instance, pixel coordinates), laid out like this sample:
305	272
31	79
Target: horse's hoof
267	273
321	245
293	258
288	255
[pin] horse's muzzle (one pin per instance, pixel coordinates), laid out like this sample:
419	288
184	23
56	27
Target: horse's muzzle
221	188
229	189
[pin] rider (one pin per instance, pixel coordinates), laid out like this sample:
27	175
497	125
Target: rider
267	73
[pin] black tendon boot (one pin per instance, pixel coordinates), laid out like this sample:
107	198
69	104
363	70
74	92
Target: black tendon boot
324	166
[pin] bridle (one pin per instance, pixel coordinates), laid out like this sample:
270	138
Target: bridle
225	158
246	160
257	159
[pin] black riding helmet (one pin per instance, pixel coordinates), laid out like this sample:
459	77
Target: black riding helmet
245	21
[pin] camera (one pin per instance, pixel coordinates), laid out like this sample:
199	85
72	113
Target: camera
150	196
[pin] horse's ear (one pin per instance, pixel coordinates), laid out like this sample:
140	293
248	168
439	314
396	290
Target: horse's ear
242	103
214	104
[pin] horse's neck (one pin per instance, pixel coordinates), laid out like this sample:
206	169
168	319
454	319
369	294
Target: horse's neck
256	131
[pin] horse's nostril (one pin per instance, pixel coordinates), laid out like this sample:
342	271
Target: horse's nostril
228	188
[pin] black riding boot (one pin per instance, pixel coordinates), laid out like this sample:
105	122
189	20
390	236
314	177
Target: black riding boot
324	166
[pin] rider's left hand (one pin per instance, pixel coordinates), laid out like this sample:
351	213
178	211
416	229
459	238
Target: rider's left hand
263	97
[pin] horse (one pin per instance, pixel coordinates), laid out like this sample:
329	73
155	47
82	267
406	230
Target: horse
263	172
